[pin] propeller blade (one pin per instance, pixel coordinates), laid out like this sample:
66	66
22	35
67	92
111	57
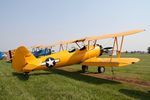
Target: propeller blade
108	48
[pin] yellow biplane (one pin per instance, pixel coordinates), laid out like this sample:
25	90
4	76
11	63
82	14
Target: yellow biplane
86	55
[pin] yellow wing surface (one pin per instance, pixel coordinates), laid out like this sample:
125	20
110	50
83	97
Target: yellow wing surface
101	37
114	35
110	62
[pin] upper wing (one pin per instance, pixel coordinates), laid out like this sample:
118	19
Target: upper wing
95	38
71	41
37	46
110	62
114	35
100	37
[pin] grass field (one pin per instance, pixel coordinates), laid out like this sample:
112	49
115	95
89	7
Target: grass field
72	85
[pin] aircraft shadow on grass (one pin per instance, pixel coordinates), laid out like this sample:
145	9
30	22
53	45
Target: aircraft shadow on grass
81	77
24	77
136	94
74	75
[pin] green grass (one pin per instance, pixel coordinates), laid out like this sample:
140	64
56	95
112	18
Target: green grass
140	70
63	85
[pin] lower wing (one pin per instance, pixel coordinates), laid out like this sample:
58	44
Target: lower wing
110	62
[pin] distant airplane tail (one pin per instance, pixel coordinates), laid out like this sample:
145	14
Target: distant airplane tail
23	58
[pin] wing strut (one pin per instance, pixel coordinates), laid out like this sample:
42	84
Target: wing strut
61	47
115	44
113	49
119	53
66	46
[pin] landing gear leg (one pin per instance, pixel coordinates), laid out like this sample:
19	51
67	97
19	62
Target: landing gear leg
84	68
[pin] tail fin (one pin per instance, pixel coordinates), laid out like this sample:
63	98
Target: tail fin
22	58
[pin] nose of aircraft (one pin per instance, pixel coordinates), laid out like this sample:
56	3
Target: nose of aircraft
102	50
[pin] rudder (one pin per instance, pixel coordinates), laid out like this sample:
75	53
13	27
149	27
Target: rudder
21	58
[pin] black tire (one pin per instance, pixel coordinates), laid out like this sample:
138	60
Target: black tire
26	73
84	68
101	69
25	76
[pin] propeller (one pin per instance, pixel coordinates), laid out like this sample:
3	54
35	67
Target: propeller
104	50
107	48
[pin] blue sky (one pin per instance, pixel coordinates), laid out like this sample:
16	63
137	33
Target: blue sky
32	22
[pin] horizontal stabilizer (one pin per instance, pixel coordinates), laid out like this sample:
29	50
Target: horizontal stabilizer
29	67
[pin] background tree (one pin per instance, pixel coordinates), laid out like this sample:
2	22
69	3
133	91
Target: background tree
148	50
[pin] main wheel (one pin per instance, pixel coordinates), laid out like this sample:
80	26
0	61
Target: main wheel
101	69
84	68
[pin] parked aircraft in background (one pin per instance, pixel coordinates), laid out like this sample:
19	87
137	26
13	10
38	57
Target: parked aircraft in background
38	51
2	55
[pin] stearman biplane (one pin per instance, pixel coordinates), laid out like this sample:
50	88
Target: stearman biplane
86	55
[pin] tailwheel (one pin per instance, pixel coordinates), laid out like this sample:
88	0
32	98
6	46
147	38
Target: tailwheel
84	68
101	69
26	74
